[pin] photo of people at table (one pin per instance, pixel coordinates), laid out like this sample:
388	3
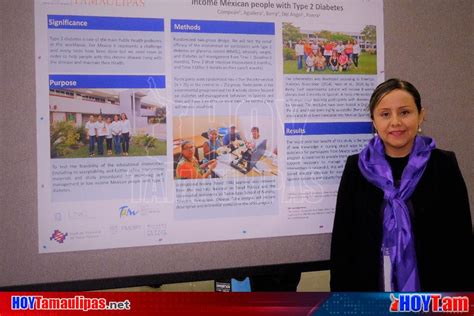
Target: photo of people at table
224	147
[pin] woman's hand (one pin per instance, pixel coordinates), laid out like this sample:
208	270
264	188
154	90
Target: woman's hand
209	163
212	164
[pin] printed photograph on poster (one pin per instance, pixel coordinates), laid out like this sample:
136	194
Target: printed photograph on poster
223	147
326	51
106	123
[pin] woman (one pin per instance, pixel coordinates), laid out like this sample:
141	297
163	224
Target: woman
402	218
210	147
355	54
348	49
299	50
310	63
189	168
328	50
116	130
339	48
315	48
320	62
125	126
91	132
307	49
343	61
108	135
101	133
333	63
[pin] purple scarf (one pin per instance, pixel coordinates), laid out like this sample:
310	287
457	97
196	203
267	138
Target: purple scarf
397	230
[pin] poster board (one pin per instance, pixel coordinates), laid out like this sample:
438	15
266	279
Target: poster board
197	121
174	255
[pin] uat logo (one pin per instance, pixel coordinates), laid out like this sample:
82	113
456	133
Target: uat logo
126	211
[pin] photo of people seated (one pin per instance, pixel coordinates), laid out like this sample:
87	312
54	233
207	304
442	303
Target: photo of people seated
189	167
204	149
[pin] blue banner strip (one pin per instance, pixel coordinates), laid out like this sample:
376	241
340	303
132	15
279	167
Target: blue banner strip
105	81
293	129
77	22
223	27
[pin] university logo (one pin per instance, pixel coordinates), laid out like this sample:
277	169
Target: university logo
58	236
126	211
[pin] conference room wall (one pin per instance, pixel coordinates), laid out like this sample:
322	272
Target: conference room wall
430	43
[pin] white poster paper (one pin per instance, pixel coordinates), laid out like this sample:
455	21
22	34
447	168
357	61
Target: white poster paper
165	122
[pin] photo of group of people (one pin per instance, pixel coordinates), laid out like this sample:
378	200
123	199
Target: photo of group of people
329	52
219	150
106	123
116	133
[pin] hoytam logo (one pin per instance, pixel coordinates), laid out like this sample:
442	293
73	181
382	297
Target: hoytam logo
76	303
428	303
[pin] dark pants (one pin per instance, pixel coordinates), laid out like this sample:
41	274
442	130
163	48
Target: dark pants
300	61
91	144
327	57
125	142
117	141
355	59
108	141
100	145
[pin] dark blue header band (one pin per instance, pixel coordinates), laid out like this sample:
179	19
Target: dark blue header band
105	81
223	27
293	129
76	22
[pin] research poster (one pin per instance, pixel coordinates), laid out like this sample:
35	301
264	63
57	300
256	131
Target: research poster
166	122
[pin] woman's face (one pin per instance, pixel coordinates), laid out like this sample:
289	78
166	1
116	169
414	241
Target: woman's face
396	120
123	116
213	135
116	118
188	151
255	134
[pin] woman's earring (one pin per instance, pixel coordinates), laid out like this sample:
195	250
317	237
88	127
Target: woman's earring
419	128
